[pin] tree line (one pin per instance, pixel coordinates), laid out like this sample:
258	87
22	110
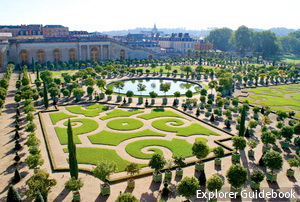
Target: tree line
247	41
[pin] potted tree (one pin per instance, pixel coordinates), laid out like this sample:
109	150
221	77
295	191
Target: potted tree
132	169
153	95
168	173
267	138
287	132
239	143
119	85
214	183
129	94
252	144
200	150
165	87
74	185
141	88
237	176
188	186
273	160
293	162
219	153
157	162
108	92
179	161
257	176
102	171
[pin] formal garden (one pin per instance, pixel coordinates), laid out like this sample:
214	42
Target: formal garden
242	118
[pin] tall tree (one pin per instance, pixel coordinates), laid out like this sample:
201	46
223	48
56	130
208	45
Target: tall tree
243	119
241	39
72	153
266	43
220	38
33	65
13	195
46	100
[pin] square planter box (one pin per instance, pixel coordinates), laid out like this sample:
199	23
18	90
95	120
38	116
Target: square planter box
152	101
130	100
168	175
102	95
285	144
76	196
157	177
130	183
109	98
271	177
179	172
104	189
165	101
236	157
250	153
199	166
290	173
218	162
140	100
255	185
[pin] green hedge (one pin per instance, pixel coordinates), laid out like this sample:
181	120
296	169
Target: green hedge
89	111
56	117
159	113
120	113
125	124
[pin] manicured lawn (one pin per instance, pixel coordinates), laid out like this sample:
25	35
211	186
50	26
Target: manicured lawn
159	113
88	125
193	129
89	111
125	124
89	155
201	139
120	113
294	59
111	138
58	116
177	146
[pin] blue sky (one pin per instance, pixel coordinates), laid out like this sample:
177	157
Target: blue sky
99	15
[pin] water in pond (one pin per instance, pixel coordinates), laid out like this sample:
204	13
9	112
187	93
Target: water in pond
154	85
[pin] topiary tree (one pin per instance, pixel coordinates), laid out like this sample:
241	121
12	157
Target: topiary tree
273	160
74	184
31	127
214	183
268	138
188	186
13	195
17	175
33	161
239	143
293	162
165	87
200	150
257	176
242	123
157	162
126	197
104	169
287	132
233	172
119	85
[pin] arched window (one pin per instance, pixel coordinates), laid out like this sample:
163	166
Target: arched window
24	56
72	54
122	54
41	56
150	57
1	62
56	54
94	54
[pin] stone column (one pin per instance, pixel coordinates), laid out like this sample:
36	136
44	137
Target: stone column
101	56
79	58
88	52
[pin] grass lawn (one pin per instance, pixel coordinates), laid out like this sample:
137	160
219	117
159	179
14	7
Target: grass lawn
120	113
89	155
177	146
193	129
294	59
58	116
89	111
203	139
58	74
159	113
125	124
88	125
111	138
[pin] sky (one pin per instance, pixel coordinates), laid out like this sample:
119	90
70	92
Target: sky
107	15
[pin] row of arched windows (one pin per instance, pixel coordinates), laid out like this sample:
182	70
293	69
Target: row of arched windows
41	55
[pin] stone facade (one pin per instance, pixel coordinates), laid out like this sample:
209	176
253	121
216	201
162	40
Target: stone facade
68	49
